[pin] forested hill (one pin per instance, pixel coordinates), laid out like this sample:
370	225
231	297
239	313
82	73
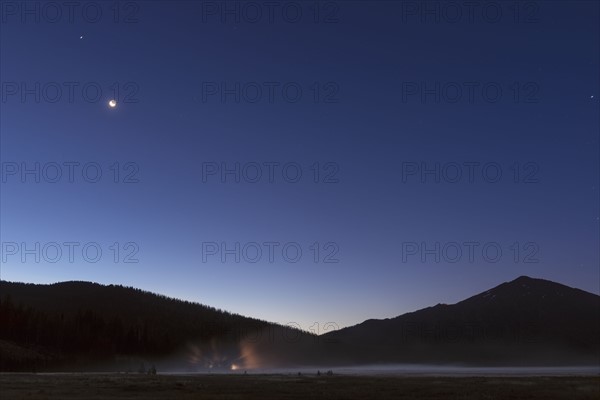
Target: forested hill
46	326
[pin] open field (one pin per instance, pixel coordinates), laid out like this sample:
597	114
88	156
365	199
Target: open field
265	387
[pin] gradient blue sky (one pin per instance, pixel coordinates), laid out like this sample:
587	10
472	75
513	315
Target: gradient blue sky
372	52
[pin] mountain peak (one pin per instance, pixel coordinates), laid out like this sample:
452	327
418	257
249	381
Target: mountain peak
527	280
526	289
524	278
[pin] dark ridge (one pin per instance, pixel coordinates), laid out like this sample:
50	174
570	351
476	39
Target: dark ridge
73	325
527	320
47	326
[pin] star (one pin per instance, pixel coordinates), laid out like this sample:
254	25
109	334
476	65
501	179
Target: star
81	37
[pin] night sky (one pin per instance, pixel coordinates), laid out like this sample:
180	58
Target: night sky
298	161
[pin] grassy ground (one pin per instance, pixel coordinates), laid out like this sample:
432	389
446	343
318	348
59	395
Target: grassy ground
266	387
